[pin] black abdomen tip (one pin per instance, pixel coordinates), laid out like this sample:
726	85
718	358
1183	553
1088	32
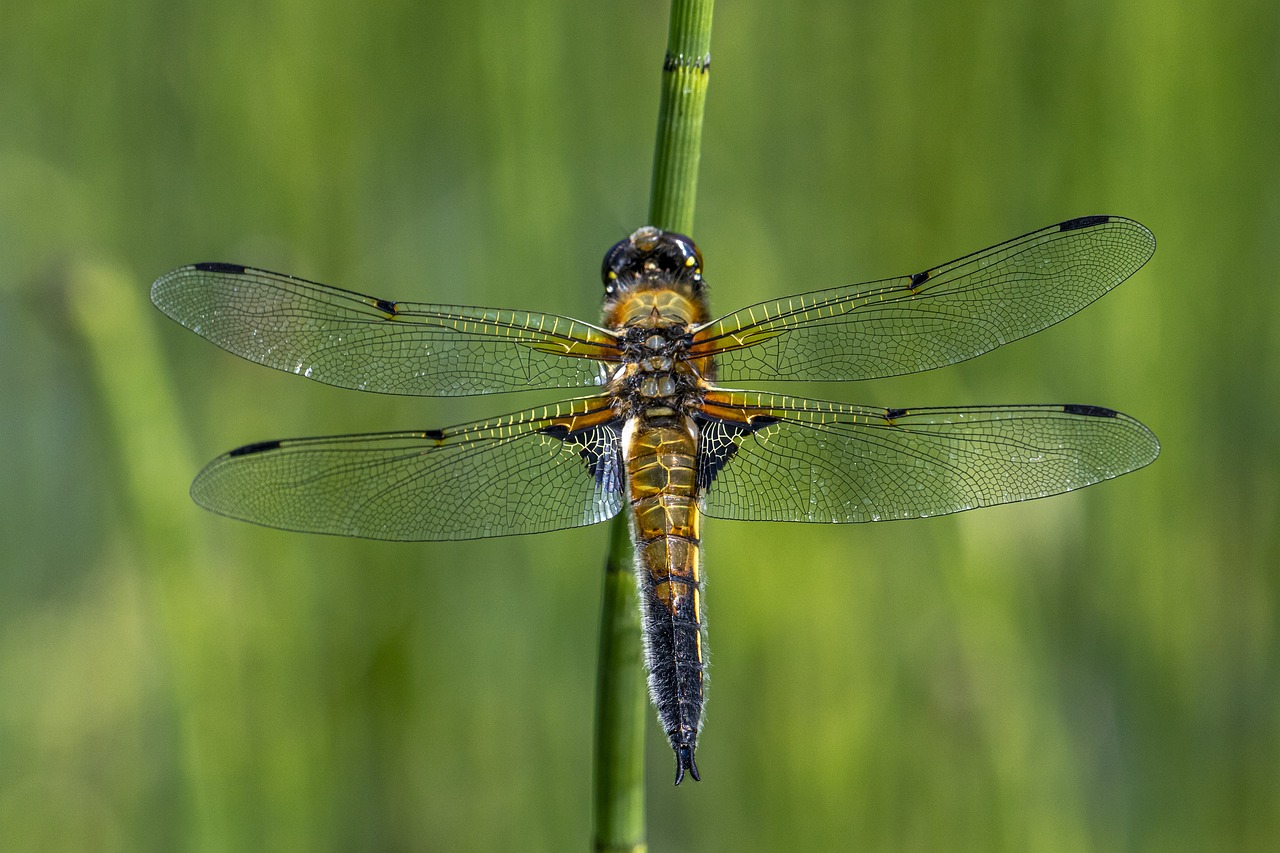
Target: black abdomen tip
684	761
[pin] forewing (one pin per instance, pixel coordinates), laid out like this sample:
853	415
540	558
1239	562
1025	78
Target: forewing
350	340
542	469
933	318
773	458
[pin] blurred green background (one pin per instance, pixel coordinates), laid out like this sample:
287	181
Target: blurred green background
1093	672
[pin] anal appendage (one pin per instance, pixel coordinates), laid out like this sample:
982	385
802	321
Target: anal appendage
684	761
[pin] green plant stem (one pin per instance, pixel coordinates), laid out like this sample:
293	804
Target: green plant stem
621	699
685	73
621	705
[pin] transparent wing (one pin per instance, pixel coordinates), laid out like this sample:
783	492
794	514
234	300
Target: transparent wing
543	469
936	317
350	340
772	458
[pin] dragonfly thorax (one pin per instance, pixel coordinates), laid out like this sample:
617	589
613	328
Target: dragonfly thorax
645	343
655	370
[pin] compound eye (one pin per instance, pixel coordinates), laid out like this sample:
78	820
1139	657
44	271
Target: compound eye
688	256
613	259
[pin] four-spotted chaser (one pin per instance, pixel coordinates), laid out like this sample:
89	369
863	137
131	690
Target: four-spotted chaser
658	434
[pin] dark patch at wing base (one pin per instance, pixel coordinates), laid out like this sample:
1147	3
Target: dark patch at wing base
599	446
719	441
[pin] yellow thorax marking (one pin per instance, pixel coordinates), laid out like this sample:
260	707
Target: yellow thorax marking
656	308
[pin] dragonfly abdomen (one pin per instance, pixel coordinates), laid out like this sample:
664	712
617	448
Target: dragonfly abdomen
661	452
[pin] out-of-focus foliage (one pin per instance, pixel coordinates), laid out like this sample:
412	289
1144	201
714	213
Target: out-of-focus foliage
1096	671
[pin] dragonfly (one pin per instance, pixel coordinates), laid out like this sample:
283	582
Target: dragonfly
656	433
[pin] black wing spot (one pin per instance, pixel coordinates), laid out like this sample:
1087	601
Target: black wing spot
1083	222
256	447
891	414
386	306
919	278
218	266
433	434
1090	411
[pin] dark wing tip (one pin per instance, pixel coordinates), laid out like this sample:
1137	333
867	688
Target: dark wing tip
1083	222
1138	244
1089	411
256	447
1139	432
684	761
169	287
219	266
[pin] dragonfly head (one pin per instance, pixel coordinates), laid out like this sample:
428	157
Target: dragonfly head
652	257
